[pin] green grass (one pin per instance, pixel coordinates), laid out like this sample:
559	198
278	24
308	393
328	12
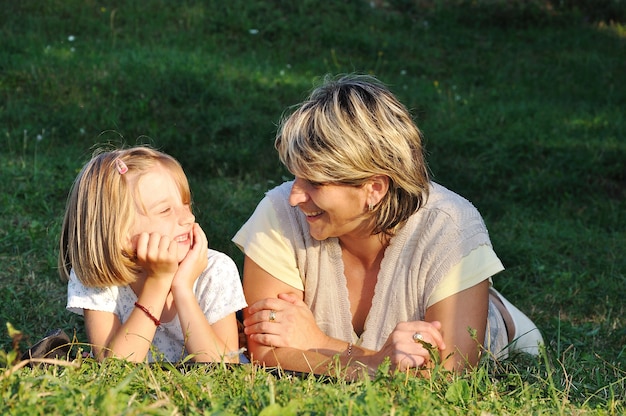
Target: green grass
523	110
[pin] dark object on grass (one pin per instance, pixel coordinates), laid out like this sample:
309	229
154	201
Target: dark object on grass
55	344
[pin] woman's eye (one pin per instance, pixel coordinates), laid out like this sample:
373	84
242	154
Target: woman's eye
166	210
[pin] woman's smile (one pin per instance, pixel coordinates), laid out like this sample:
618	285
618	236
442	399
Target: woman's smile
311	216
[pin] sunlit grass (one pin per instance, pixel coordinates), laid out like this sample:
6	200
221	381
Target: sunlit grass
522	109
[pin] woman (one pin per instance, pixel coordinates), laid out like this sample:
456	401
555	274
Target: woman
362	257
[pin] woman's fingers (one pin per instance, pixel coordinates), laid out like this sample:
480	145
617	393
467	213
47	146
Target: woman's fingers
268	304
421	332
413	344
407	361
270	340
264	328
291	298
284	322
260	312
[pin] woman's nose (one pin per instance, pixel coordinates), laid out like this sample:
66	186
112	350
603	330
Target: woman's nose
298	193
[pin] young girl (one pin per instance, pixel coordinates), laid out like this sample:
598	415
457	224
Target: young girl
139	267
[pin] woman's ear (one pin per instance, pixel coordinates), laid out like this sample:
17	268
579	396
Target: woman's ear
378	188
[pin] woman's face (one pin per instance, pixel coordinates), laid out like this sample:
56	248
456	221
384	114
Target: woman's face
331	210
161	209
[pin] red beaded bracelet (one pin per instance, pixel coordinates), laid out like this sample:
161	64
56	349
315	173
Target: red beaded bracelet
147	312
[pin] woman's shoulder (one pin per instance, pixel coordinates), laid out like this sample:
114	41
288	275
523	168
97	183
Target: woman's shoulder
444	200
440	194
279	192
275	200
445	210
280	214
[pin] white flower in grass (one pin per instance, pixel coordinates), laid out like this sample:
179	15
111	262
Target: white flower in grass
71	38
253	31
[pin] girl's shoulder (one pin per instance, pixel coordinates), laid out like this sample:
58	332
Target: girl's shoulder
107	299
220	277
218	258
220	267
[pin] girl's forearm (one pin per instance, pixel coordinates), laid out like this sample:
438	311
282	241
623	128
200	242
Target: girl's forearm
201	339
132	340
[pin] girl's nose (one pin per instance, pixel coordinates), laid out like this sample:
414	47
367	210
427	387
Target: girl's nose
186	217
298	193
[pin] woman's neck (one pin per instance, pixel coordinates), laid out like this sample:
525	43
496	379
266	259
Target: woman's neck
367	250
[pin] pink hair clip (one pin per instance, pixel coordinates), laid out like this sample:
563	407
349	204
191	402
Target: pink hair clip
121	166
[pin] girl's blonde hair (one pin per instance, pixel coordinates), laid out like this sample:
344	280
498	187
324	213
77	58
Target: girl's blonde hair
100	211
351	129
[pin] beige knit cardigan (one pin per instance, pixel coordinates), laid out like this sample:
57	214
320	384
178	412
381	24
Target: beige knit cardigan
435	238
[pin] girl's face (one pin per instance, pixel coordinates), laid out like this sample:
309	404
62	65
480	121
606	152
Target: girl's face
161	209
331	210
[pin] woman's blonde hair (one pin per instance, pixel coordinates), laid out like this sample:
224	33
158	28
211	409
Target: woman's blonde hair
351	129
100	211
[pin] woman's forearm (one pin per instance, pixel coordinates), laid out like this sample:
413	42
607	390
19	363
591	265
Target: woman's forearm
350	362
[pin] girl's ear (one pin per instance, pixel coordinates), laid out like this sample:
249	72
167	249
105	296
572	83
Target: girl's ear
378	187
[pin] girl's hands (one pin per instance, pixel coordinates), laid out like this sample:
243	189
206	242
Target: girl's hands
284	322
194	262
157	255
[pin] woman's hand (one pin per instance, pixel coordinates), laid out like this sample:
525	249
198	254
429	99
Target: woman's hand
285	321
194	262
410	345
